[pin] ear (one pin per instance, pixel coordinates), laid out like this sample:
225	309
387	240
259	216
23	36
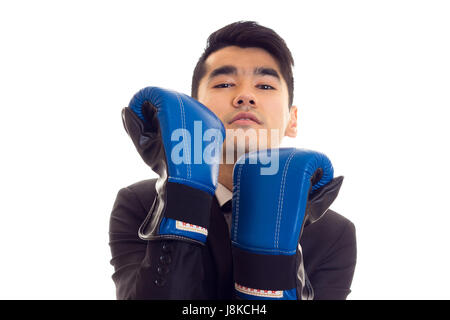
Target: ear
291	128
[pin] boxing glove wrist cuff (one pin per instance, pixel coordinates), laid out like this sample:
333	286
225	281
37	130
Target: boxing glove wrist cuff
188	204
186	214
262	271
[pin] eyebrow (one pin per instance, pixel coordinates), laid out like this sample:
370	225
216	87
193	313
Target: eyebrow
227	70
266	72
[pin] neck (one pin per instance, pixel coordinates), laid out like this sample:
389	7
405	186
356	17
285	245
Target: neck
226	175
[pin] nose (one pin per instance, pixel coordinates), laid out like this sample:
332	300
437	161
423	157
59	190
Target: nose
244	100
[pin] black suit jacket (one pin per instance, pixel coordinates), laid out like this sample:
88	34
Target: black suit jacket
172	269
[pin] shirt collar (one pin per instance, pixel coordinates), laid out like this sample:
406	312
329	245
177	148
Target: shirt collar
223	194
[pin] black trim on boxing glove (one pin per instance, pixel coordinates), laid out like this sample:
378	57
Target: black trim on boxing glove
188	204
262	271
178	202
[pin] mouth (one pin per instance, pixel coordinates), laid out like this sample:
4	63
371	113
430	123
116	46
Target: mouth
245	118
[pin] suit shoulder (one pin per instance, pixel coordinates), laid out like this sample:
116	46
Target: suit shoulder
332	219
144	191
143	186
337	225
132	205
331	229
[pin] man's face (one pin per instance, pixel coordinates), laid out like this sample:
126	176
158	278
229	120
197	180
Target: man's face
245	89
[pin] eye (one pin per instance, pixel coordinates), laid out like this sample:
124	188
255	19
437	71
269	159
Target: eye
224	85
265	87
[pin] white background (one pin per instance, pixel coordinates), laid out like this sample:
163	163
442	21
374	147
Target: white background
372	83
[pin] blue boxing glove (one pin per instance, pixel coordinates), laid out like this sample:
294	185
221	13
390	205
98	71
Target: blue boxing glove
169	130
269	212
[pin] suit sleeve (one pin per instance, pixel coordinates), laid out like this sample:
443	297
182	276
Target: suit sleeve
169	269
333	277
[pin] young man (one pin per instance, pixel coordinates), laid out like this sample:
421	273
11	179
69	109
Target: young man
245	78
